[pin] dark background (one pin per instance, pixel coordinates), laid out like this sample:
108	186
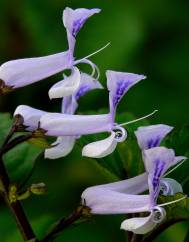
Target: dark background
148	37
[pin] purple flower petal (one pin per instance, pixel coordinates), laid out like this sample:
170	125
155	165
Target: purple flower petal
87	83
74	20
134	185
104	201
57	124
157	160
151	136
19	73
118	84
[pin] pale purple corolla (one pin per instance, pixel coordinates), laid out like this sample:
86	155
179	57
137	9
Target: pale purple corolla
122	197
157	161
31	116
22	72
57	124
64	144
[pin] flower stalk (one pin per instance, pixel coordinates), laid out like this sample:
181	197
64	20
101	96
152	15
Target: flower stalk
81	211
15	207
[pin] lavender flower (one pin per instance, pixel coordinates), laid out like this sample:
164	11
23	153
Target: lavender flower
122	197
64	144
56	124
19	73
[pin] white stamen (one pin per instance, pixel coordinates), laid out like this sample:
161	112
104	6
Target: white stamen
94	53
175	201
136	120
175	167
94	67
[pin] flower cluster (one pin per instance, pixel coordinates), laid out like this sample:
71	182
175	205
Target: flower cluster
121	197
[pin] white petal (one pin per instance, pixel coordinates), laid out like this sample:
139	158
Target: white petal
66	87
139	225
63	146
170	186
100	148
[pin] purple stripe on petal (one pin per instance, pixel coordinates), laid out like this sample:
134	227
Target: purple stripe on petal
159	167
77	25
82	91
153	142
151	136
122	87
118	84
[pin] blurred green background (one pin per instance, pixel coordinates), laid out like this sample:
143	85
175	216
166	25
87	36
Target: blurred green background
149	37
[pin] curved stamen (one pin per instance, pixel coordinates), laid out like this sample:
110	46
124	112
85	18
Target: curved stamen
171	202
94	67
94	53
158	214
139	119
174	168
120	134
165	189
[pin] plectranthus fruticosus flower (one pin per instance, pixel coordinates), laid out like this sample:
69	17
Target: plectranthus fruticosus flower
22	72
122	197
31	116
57	124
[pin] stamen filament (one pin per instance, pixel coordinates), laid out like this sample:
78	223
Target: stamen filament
94	53
136	120
94	67
175	167
175	201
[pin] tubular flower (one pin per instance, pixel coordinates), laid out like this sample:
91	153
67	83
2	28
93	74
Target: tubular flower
157	161
64	144
57	124
22	72
31	116
122	197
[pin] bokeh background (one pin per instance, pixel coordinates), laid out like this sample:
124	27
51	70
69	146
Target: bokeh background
149	37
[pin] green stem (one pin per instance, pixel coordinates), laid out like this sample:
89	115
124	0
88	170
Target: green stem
15	207
66	222
18	140
137	238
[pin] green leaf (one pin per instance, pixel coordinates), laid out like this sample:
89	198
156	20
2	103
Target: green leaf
5	125
179	140
20	160
186	239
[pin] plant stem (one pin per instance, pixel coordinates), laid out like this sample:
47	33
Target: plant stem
15	207
18	140
65	222
18	120
137	238
161	228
